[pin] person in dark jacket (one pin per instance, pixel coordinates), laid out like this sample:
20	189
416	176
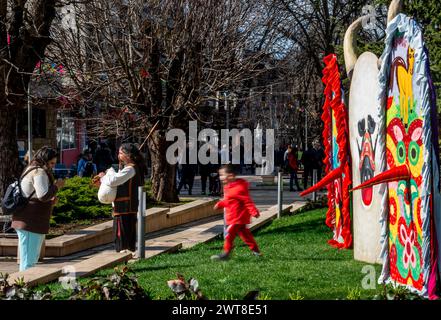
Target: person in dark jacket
132	169
319	156
86	167
103	157
32	222
307	161
214	180
187	174
293	168
204	171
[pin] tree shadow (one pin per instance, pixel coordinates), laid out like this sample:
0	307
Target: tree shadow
304	227
158	268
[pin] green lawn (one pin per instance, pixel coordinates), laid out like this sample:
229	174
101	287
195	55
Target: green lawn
297	259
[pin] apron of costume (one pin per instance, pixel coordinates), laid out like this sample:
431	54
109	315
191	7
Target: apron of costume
125	213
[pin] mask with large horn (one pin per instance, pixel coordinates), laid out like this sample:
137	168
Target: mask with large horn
365	139
409	169
395	158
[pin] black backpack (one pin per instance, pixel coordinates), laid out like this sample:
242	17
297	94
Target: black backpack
14	200
88	169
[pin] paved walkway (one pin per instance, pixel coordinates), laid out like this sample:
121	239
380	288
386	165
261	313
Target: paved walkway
183	236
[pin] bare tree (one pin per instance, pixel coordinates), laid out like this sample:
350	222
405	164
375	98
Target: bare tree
312	29
160	61
24	36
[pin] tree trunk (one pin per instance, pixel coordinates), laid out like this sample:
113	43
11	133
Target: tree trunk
163	174
9	163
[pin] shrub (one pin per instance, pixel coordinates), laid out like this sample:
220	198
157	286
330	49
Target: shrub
396	292
20	291
189	290
116	286
79	200
185	290
149	193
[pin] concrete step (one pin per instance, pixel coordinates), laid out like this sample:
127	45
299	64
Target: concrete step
92	265
36	275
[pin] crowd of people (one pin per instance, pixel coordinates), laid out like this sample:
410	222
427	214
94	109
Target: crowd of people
287	158
91	162
186	173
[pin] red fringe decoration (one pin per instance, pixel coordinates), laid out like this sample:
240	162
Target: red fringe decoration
333	101
327	142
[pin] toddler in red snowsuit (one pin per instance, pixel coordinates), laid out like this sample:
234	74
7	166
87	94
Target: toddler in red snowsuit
239	208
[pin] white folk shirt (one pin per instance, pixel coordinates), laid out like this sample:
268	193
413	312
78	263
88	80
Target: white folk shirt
119	178
36	180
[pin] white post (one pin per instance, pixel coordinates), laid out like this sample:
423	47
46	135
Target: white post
314	182
29	122
280	194
141	223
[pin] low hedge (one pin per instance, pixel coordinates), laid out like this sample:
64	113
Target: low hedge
78	200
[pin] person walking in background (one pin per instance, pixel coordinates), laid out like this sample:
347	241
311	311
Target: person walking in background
32	222
132	169
86	167
224	155
293	167
214	186
103	157
239	210
204	171
319	156
248	157
187	177
285	154
307	161
213	174
278	156
188	172
179	160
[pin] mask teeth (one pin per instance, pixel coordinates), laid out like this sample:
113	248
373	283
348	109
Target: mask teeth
394	174
330	177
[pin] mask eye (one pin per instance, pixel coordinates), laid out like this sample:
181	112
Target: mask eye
371	125
414	153
401	152
361	127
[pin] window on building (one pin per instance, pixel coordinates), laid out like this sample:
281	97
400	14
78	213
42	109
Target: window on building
38	123
66	132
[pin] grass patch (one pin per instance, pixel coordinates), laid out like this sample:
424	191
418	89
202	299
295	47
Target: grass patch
297	264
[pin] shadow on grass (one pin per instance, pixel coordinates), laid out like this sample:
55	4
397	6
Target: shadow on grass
304	227
156	268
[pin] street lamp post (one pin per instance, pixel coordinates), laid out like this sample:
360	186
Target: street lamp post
227	112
